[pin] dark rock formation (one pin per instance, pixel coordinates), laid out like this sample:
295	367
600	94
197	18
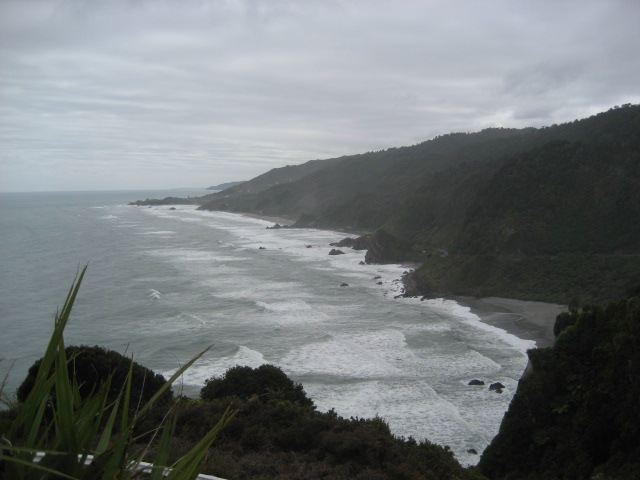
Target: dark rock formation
496	387
336	252
387	248
476	382
360	243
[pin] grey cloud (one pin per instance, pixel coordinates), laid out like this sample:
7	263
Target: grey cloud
162	90
539	79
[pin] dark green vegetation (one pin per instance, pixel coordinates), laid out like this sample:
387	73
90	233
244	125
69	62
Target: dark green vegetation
278	434
546	214
246	382
562	278
90	367
576	415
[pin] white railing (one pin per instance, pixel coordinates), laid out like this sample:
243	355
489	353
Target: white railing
143	467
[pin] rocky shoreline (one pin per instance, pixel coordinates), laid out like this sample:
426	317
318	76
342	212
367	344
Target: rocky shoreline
528	320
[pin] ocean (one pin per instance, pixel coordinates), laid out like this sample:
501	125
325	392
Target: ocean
165	283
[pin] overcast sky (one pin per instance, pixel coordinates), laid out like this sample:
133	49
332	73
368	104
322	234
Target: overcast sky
117	94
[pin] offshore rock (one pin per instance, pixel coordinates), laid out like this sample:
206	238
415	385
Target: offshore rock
336	252
497	387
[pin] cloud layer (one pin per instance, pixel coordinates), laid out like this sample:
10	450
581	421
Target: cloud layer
160	94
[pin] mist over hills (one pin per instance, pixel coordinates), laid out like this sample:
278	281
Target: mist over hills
547	213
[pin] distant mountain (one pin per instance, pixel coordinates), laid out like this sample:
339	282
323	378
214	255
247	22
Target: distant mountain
224	186
357	191
546	214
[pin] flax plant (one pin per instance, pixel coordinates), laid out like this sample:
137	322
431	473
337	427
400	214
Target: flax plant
58	434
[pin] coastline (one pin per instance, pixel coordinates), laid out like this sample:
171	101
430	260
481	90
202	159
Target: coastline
528	320
282	221
288	222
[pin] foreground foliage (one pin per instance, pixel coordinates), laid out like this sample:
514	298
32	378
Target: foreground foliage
576	415
91	367
278	434
64	426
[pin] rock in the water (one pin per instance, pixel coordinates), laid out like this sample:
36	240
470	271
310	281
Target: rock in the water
262	248
344	284
336	252
497	387
473	451
476	382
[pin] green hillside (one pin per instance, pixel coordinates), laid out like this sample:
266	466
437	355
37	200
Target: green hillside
575	414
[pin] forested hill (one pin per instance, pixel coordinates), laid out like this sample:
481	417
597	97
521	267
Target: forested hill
544	214
559	222
365	191
358	191
575	414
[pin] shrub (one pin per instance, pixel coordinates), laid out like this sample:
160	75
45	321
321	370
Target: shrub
266	382
92	366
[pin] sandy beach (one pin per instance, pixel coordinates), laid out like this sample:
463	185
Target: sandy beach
525	319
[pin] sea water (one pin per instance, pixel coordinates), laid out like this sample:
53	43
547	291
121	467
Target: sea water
164	283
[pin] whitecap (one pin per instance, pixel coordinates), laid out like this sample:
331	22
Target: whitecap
206	368
158	232
367	355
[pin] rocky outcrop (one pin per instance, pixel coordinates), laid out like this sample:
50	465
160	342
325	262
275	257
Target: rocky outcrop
336	252
496	387
387	248
360	243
